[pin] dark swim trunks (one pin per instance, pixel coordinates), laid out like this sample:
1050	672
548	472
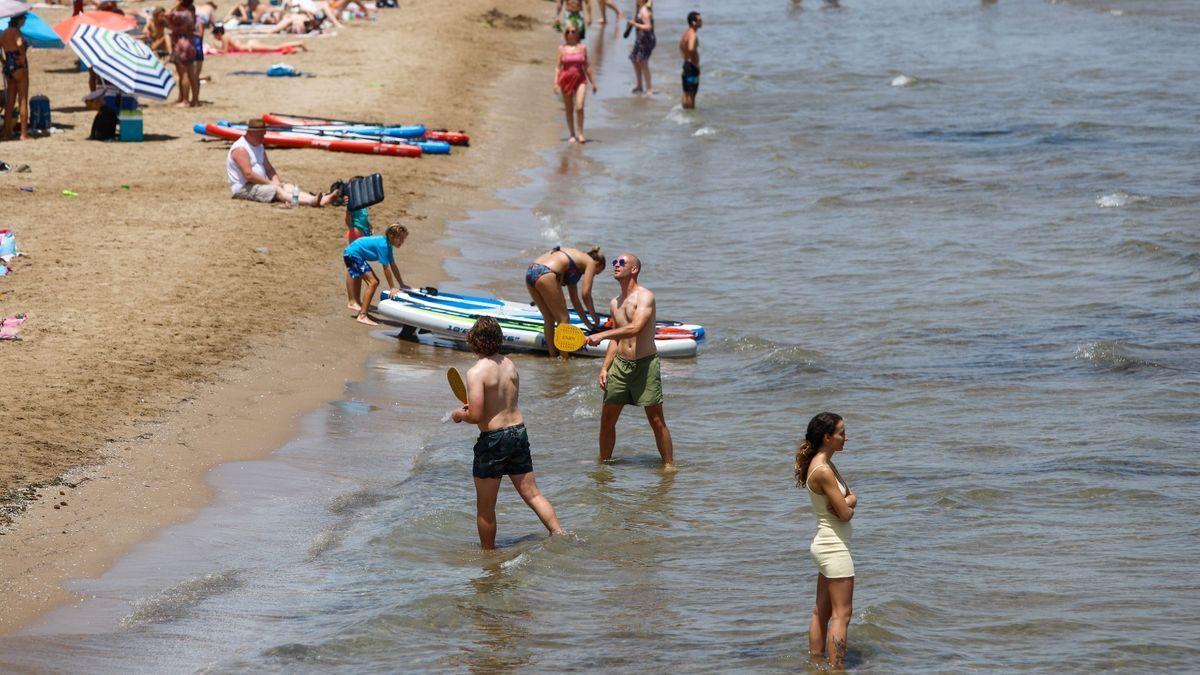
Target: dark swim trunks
198	45
503	452
691	78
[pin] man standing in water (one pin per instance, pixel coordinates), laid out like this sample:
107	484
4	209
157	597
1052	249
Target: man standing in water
689	49
503	445
630	374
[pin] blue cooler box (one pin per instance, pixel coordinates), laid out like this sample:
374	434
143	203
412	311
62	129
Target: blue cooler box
131	125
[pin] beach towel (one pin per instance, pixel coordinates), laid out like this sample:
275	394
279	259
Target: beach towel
259	50
277	70
10	326
8	245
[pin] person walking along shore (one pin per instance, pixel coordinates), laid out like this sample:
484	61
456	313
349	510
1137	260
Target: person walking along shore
572	74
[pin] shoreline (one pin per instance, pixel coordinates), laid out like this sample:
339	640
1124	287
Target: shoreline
152	472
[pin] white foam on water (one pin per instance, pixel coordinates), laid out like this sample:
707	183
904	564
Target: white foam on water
679	116
516	562
705	131
1118	199
550	231
903	81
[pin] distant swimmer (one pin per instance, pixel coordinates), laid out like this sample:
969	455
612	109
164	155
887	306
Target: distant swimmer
689	49
564	266
834	504
572	74
643	46
502	448
630	374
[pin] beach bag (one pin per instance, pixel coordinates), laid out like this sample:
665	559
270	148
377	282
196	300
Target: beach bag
363	192
104	125
39	112
386	4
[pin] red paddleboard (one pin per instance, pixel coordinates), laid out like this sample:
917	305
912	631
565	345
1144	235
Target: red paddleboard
451	137
275	139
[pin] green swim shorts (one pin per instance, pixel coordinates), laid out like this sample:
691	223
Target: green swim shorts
634	382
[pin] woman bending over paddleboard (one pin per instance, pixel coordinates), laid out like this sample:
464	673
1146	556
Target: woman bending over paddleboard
563	267
834	504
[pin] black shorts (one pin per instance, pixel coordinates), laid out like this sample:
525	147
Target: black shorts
691	78
503	452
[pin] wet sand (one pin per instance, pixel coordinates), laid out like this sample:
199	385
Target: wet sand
162	339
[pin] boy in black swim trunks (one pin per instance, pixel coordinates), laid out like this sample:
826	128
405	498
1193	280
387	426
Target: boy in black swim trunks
503	445
689	49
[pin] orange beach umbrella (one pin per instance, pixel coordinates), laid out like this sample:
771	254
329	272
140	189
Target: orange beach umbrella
110	20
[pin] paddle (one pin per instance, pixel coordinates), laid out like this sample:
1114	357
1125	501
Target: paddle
568	338
456	384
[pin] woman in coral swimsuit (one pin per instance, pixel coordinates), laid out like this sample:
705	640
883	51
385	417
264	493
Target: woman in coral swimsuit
834	504
572	73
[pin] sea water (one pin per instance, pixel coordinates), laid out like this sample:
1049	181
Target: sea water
971	229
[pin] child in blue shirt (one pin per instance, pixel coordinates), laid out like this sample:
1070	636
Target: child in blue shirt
358	255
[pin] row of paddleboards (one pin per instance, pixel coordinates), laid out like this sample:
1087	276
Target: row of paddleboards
412	140
451	315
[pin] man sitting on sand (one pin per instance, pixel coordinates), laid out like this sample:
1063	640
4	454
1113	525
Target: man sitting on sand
252	177
630	374
503	445
359	254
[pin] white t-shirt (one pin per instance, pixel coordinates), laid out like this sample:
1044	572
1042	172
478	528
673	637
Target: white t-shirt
257	153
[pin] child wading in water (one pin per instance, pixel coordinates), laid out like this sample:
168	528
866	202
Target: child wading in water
503	445
358	256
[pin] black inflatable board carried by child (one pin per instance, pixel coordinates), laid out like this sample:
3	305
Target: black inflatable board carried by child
363	192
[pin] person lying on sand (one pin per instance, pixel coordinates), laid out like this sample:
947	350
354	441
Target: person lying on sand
252	177
227	44
502	448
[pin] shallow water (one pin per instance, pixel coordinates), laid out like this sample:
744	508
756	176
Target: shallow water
970	230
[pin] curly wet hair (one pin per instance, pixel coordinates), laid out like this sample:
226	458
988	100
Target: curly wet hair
485	337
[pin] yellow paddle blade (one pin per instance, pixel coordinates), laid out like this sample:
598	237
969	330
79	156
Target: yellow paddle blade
456	384
568	338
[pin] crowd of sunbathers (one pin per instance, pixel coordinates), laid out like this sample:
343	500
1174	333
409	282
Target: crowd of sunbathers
178	34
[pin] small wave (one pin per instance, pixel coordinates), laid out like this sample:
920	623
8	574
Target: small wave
1113	356
550	229
903	81
679	116
1118	199
353	501
325	541
174	602
705	131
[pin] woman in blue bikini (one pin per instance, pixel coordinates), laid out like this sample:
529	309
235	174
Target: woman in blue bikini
560	267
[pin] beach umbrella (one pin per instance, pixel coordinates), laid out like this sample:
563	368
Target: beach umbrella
12	8
110	20
37	32
122	61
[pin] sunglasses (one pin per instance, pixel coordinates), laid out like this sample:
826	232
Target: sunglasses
620	262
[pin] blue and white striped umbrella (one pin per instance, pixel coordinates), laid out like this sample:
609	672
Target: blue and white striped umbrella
122	61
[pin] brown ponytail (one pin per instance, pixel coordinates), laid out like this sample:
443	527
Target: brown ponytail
595	254
822	425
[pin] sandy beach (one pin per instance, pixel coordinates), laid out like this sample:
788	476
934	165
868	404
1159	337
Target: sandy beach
172	328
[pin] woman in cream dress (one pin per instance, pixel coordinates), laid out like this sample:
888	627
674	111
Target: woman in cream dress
833	503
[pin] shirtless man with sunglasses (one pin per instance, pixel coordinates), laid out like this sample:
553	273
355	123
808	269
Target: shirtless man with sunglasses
630	374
